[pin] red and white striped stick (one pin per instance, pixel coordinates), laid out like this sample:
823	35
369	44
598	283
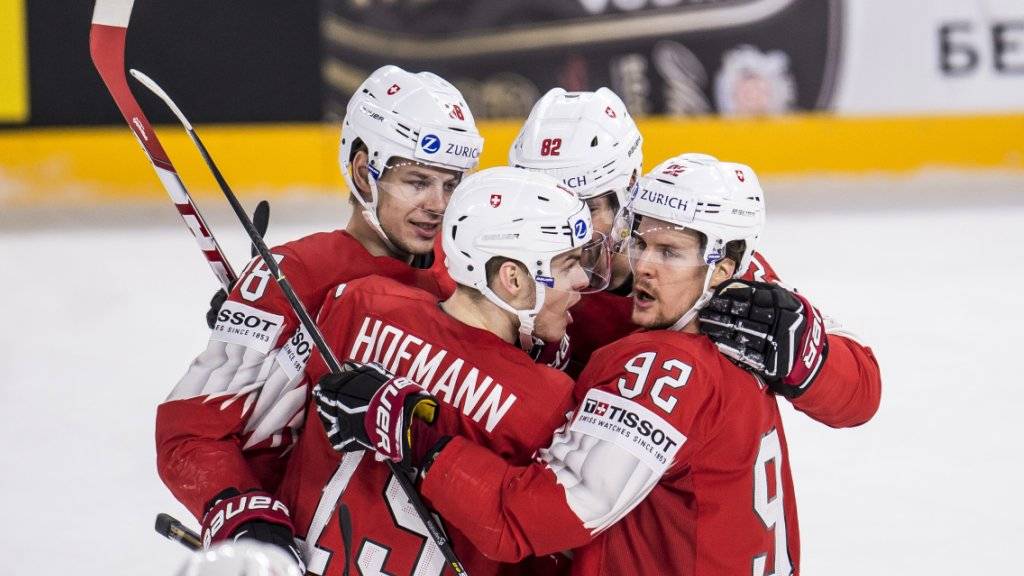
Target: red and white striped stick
106	45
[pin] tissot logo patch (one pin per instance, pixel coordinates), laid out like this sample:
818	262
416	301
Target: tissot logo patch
631	426
239	323
294	354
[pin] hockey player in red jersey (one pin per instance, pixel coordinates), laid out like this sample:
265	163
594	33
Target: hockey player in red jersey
590	142
517	244
675	460
406	141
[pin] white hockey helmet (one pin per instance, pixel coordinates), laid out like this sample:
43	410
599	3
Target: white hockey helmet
524	216
418	116
241	558
587	140
721	200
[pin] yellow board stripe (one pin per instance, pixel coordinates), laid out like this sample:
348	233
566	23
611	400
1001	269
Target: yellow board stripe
90	164
13	62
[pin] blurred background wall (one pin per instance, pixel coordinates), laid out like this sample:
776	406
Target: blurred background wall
792	87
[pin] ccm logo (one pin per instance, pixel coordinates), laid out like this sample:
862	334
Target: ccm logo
241	319
244	504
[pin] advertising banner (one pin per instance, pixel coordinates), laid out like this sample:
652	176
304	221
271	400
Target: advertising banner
932	56
665	57
693	57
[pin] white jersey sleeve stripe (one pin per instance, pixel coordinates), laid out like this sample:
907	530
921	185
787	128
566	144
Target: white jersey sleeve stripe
610	457
287	411
228	373
198	373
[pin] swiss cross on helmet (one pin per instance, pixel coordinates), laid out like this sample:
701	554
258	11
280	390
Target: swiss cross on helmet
527	217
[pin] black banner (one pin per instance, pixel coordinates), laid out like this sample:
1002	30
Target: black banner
223	61
672	57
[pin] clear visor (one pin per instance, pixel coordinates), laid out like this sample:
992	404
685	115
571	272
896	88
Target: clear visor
652	245
664	247
582	270
414	185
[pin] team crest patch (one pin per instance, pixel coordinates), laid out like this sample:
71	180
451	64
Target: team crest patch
495	200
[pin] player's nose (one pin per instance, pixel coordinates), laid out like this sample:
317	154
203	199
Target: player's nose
642	265
435	200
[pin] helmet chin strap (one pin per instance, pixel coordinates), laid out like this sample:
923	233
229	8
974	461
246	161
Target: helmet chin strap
526	317
702	301
370	212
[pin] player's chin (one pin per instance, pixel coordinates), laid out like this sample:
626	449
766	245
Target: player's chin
644	317
419	238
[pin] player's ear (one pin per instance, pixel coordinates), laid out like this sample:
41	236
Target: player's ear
361	174
512	279
724	270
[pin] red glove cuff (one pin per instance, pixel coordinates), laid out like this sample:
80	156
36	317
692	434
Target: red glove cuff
227	515
810	351
387	422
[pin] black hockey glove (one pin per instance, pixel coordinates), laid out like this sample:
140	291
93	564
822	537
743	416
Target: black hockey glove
256	514
260	219
366	407
770	331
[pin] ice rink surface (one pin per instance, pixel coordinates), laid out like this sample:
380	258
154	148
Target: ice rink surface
104	314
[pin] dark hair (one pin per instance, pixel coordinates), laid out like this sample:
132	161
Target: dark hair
357	147
733	250
495	262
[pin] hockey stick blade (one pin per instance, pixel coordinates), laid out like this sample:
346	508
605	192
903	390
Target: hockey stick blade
107	36
169	527
261	219
330	359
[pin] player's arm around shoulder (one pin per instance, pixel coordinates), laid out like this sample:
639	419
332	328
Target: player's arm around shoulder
848	391
234	395
824	370
598	465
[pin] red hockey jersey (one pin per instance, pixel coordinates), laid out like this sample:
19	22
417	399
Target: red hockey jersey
502	399
598	319
233	415
846	392
674	462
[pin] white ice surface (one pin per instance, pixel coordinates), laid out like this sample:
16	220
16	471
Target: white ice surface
100	323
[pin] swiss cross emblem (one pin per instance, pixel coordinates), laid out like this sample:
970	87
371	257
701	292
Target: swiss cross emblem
740	176
602	407
394	89
495	200
611	113
674	170
457	112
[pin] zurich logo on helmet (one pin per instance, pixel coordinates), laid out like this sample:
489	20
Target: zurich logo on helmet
430	143
580	228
